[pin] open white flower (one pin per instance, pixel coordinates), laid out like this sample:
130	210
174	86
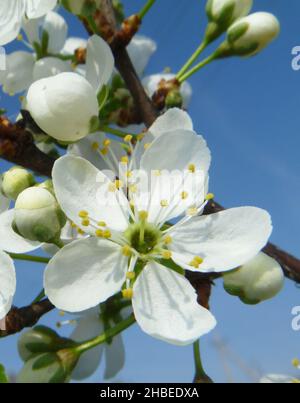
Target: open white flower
65	105
123	234
90	325
12	13
9	242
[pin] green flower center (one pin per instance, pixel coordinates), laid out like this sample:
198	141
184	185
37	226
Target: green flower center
143	237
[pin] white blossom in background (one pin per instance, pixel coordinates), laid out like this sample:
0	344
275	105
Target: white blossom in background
23	68
65	105
122	232
251	34
151	84
12	13
140	50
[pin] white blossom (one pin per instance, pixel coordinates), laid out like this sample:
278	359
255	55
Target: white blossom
220	11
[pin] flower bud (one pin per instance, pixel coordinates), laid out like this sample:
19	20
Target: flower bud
249	35
15	180
63	106
258	280
49	367
38	216
222	13
81	7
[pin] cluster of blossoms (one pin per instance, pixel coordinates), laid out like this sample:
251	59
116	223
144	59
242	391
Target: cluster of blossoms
123	219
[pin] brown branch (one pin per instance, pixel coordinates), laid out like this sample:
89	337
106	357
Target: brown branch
19	318
17	146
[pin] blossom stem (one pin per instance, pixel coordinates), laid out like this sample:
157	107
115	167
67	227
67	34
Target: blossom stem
200	375
108	334
192	59
29	258
199	66
39	297
146	8
115	132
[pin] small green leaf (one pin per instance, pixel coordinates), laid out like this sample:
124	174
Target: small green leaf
3	376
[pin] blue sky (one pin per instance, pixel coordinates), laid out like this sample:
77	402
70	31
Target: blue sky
248	112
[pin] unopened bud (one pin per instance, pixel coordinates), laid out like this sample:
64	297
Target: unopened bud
258	280
81	7
174	99
14	181
38	216
249	35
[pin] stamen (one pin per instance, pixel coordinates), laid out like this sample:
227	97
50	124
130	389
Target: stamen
83	214
118	184
124	160
184	195
99	233
106	143
130	275
128	138
192	211
107	234
196	262
102	224
140	136
85	222
147	146
164	203
192	168
168	240
296	363
166	254
209	196
95	146
127	251
128	293
143	215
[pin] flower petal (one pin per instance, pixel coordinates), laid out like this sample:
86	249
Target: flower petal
88	327
7	283
19	72
57	29
224	240
11	13
31	29
80	186
173	119
9	240
4	201
114	357
99	62
277	378
72	44
38	8
165	306
151	84
184	148
85	273
140	50
50	66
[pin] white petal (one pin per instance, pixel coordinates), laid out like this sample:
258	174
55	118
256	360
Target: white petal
172	120
9	240
84	148
80	186
11	13
57	29
19	72
88	327
140	50
151	84
7	283
99	62
84	274
224	240
50	66
31	29
277	378
165	306
38	8
72	44
4	201
114	357
184	148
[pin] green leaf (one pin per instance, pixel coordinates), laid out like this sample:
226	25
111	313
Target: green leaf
3	376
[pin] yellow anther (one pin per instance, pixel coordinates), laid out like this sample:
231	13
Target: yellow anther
112	187
295	380
130	275
128	138
99	233
296	363
20	37
129	174
168	240
85	222
143	215
107	234
157	172
126	251
209	196
164	203
198	259
192	211
133	188
128	293
107	143
73	225
83	214
124	160
196	262
21	98
184	195
118	184
95	146
140	136
166	254
192	168
131	202
80	231
147	146
104	151
62	313
101	224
